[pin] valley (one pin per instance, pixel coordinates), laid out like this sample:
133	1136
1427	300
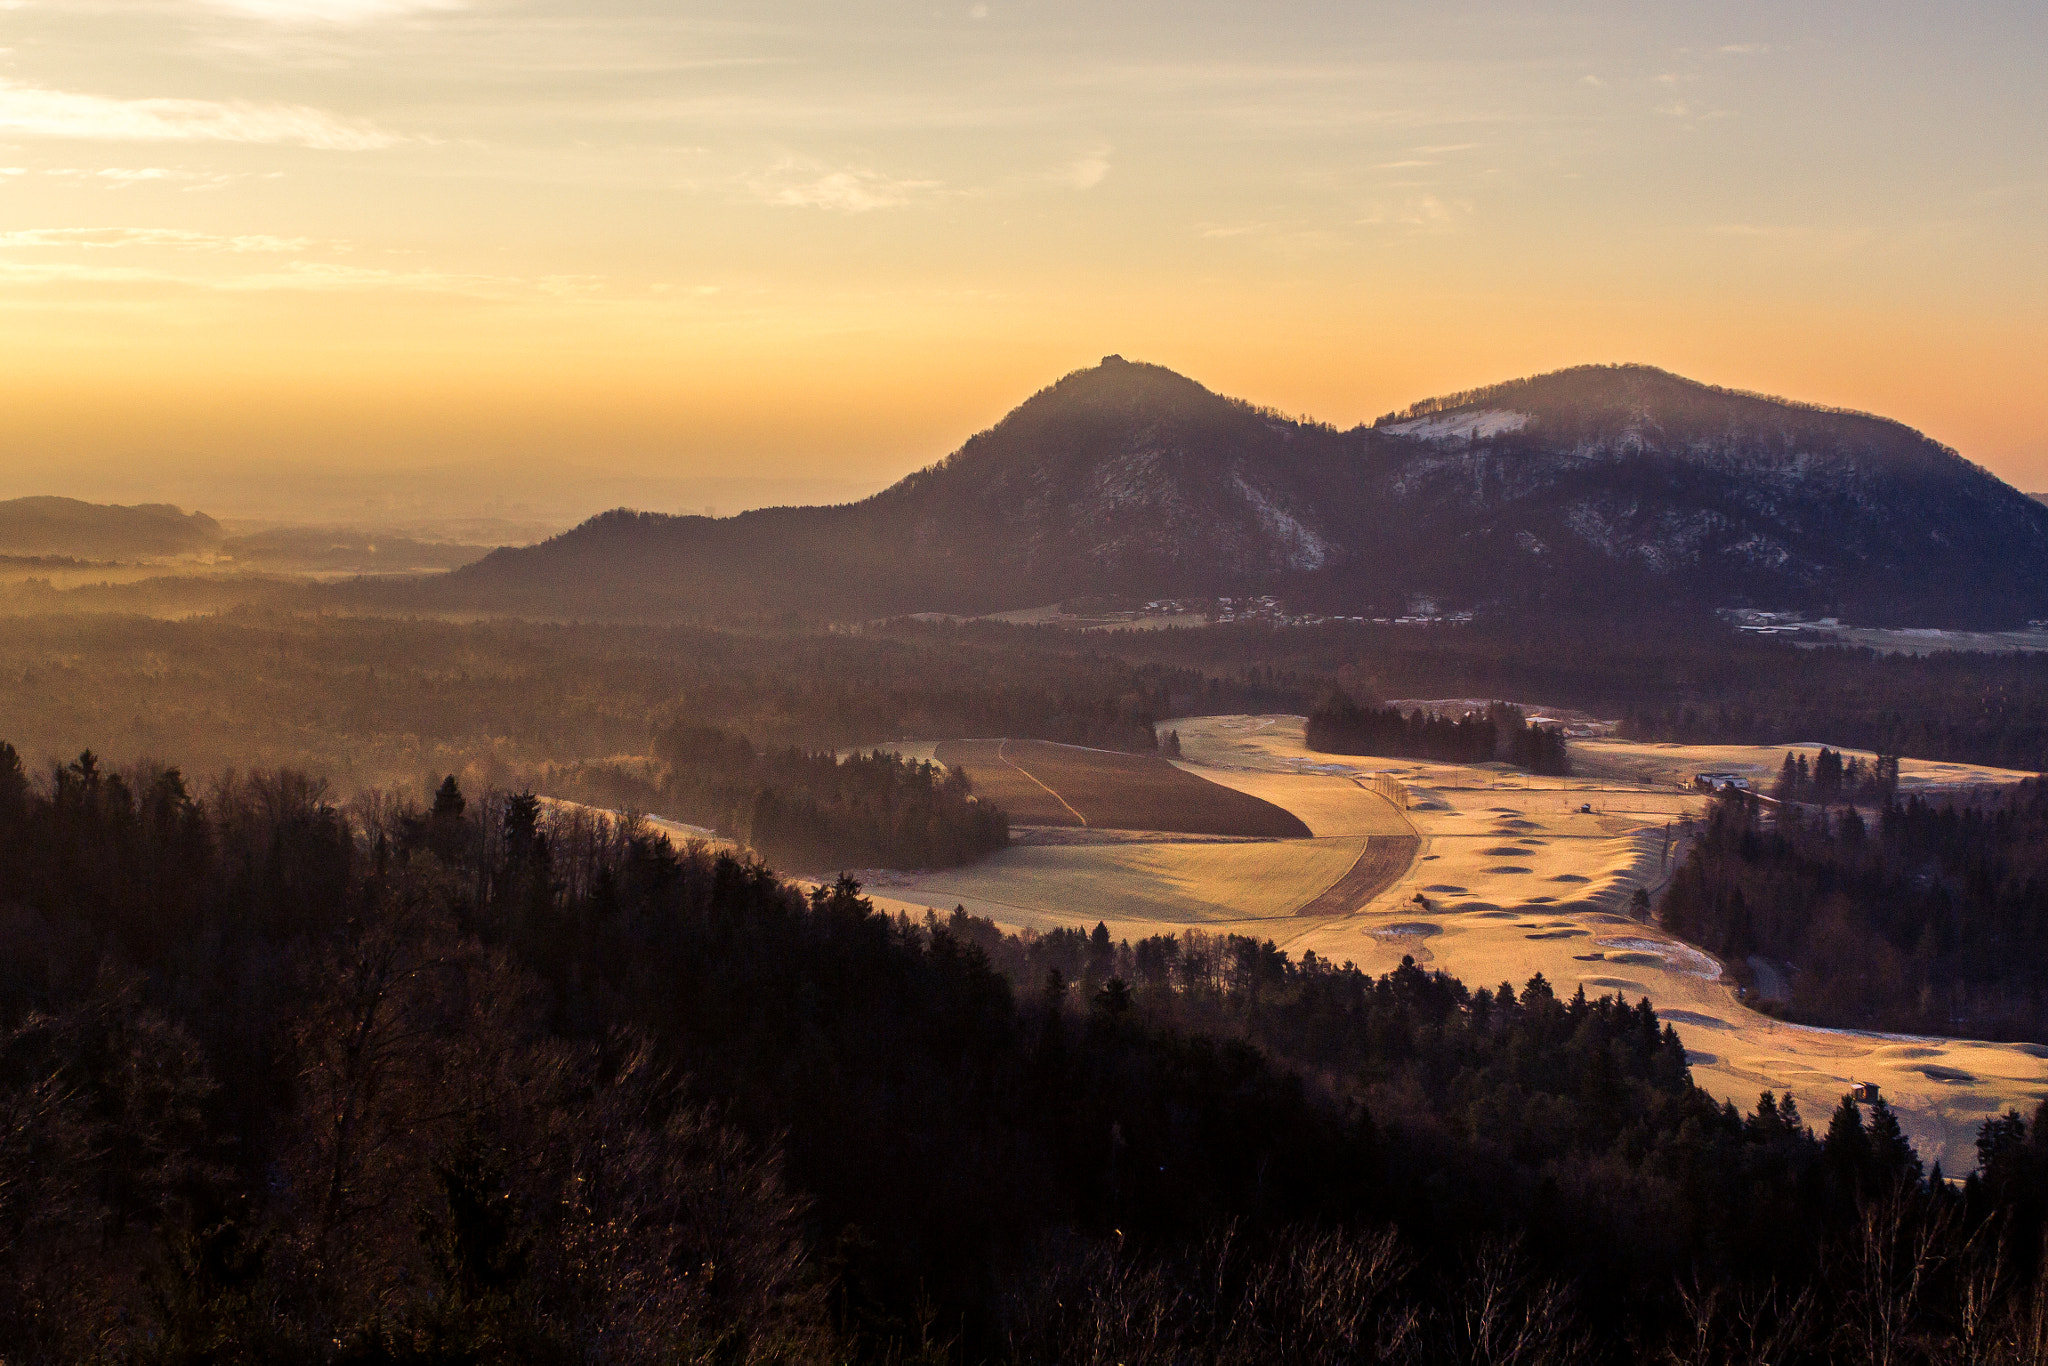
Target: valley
1490	875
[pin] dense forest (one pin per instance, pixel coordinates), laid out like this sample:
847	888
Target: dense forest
804	811
1932	918
1828	779
451	1080
813	810
1339	725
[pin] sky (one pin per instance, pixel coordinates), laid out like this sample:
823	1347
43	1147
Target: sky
379	258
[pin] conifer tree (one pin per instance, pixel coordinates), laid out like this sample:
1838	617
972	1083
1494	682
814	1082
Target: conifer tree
1787	789
1847	1145
1892	1159
448	799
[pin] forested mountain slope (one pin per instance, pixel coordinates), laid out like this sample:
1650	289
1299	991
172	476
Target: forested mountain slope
1605	486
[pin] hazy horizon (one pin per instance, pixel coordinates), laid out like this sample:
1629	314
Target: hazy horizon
523	503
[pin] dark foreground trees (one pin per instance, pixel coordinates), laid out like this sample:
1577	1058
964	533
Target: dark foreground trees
281	1082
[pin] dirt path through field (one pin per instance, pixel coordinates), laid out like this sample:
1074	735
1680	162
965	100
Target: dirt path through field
1382	862
1003	753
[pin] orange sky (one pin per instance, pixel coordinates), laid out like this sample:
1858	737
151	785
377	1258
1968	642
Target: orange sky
344	256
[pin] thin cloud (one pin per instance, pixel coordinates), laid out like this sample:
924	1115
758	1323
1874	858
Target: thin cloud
178	239
330	275
25	110
1087	171
126	177
1833	241
328	11
1766	231
854	189
1423	213
323	277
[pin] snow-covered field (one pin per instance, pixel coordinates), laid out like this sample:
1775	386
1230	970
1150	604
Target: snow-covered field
1516	880
1672	765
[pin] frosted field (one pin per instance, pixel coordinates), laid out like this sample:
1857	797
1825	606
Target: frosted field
1670	765
1141	884
1518	882
1139	887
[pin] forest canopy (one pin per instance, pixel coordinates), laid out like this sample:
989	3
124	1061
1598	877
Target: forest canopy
1931	917
1501	732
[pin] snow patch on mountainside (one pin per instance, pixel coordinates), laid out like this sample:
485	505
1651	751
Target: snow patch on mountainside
1466	426
1299	547
1664	541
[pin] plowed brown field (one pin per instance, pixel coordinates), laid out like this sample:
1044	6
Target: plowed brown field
1040	783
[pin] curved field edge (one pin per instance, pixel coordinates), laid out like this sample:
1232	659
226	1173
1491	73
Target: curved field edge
1041	783
1380	865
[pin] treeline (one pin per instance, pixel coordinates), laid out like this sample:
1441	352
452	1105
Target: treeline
1932	919
1828	779
812	810
458	1082
1339	725
372	703
1672	677
375	702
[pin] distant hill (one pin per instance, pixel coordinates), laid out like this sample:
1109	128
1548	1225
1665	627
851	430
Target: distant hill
101	531
1617	487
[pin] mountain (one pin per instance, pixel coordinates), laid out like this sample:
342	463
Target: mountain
1618	487
1669	489
102	531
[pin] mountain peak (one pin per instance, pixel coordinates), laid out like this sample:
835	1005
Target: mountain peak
1634	390
1639	406
1121	385
1621	485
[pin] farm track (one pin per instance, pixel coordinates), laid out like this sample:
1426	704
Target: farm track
1041	783
1380	865
1003	753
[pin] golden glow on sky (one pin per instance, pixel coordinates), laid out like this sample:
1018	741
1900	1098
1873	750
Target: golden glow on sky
254	251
